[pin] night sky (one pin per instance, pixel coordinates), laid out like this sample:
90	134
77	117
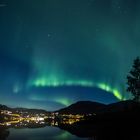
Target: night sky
56	52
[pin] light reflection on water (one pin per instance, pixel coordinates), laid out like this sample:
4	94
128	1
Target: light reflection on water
37	130
46	133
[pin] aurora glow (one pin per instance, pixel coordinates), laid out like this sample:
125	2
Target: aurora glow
54	53
43	83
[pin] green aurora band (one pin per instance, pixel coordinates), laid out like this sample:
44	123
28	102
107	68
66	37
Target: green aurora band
43	82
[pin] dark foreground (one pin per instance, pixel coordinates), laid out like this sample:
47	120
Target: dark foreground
116	125
108	124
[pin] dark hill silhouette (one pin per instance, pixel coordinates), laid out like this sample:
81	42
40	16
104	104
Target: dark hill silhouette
82	107
119	107
116	121
85	107
31	110
4	107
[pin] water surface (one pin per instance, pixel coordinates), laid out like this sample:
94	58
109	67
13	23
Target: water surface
46	133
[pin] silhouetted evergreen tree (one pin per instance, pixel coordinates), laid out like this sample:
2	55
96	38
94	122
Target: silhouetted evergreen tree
133	80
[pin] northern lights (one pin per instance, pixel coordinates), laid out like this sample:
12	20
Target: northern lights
54	53
103	86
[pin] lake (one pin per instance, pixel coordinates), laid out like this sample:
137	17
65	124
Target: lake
46	133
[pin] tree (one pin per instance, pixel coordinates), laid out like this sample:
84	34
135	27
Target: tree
133	80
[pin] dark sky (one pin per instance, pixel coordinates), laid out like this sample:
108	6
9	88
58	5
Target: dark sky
56	52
